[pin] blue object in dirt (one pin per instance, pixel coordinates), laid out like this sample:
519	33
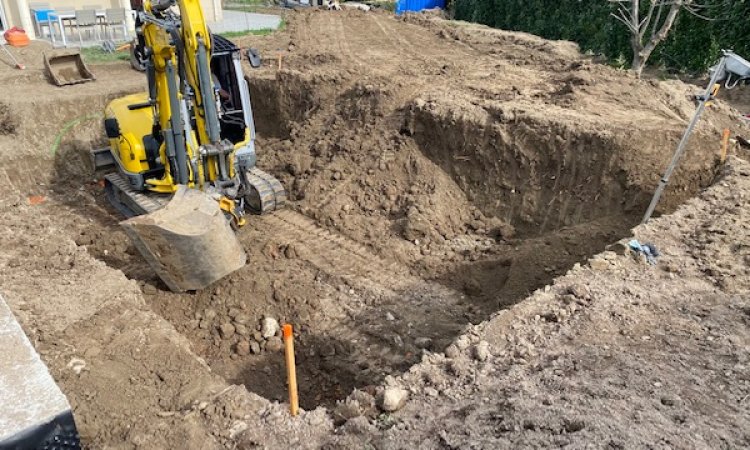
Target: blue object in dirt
418	5
649	250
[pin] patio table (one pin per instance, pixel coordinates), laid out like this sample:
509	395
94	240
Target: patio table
58	17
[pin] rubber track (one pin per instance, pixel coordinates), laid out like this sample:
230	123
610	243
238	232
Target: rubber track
122	193
271	191
132	202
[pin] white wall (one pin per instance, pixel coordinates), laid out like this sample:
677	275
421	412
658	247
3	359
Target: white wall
211	10
17	11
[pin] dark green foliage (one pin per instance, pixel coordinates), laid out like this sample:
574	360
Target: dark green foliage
692	45
695	43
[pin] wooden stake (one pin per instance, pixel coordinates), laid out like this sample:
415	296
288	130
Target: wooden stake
291	369
724	144
279	61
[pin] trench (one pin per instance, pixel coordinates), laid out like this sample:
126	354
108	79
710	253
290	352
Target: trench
478	215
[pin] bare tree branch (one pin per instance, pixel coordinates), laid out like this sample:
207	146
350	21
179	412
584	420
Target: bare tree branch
658	17
625	14
663	31
647	20
625	21
651	29
693	10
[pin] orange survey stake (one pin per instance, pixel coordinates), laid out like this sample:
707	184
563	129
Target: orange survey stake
724	144
291	370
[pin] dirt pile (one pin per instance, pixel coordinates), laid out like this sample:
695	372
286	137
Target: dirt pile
618	352
46	131
484	171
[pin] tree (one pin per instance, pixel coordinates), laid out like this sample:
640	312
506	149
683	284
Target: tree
649	24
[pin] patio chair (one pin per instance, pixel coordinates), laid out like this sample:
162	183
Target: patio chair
66	23
96	8
40	12
115	17
86	18
66	9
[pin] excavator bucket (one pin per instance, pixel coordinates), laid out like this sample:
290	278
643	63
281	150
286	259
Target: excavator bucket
189	242
67	68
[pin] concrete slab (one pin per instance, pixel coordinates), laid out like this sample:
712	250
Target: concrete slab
238	21
35	411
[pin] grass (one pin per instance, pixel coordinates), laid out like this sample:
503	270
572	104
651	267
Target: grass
259	32
246	5
236	34
96	55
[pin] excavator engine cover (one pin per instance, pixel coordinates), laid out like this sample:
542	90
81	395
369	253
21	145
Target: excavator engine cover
189	242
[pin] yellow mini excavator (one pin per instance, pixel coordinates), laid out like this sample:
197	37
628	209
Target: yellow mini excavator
185	150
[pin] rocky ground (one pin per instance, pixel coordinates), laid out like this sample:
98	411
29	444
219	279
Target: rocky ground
617	353
448	185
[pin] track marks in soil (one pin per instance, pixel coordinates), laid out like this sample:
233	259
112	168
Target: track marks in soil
374	325
415	305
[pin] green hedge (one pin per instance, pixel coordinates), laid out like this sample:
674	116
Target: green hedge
693	44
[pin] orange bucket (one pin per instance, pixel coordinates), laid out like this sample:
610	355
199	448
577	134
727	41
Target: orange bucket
16	37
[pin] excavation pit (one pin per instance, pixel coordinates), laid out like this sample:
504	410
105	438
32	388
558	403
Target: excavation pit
397	238
426	195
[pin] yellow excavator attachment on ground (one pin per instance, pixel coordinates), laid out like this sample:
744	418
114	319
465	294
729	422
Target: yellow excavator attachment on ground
66	67
185	150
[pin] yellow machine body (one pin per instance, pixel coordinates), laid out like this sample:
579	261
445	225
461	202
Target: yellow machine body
185	150
128	148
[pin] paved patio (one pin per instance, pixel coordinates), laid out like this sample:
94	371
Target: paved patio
244	21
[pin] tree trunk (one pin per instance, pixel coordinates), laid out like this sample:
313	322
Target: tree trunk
638	63
641	42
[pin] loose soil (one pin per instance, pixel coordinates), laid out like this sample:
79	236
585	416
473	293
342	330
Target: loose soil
438	172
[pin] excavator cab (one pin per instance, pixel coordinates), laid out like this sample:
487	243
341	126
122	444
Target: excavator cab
225	68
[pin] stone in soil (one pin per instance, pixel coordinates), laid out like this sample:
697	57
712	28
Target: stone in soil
423	342
269	327
482	351
242	348
345	410
274	344
226	330
394	399
452	352
580	290
241	329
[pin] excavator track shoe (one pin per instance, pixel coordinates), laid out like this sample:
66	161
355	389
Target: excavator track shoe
189	242
268	194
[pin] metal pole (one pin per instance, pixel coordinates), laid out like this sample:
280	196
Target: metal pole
182	174
684	141
208	102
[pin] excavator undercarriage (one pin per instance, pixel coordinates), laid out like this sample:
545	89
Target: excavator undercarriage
268	195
